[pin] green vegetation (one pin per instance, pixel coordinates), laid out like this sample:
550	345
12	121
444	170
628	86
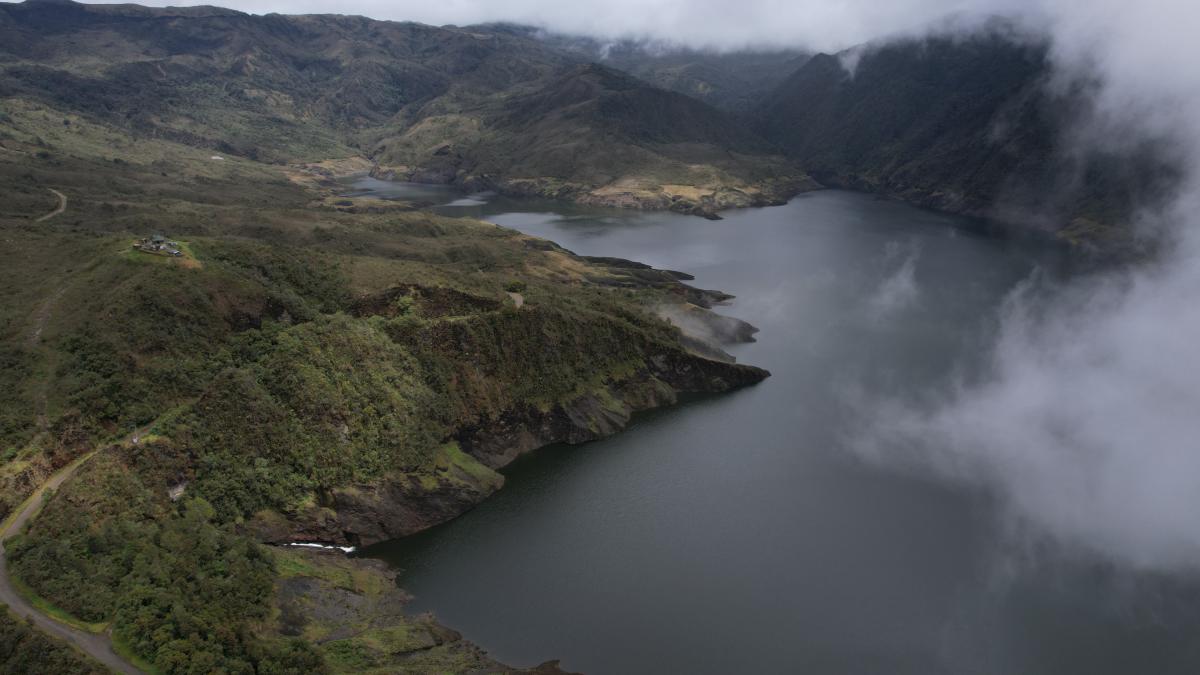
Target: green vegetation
26	651
55	612
313	366
297	355
352	611
178	590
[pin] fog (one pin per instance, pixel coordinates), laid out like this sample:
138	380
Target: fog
899	289
1086	425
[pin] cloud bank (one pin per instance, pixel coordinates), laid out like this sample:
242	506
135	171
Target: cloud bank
1088	425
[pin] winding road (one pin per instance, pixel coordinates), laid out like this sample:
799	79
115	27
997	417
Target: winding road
97	646
62	206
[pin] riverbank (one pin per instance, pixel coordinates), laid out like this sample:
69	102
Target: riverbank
637	193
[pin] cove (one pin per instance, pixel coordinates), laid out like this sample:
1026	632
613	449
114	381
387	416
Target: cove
743	533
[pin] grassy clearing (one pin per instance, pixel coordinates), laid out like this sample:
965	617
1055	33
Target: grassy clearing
186	261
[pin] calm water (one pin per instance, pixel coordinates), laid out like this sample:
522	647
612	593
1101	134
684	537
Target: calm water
741	533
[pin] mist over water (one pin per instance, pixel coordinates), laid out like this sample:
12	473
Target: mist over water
899	290
1085	423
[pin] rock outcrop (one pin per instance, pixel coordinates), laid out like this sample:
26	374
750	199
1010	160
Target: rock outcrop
404	504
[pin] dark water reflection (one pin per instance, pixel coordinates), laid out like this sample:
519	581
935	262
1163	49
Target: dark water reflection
739	533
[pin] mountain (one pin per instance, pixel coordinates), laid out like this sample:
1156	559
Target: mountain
308	368
446	104
734	80
296	365
969	124
594	126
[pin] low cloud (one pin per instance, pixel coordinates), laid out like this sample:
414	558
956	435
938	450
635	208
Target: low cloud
898	290
819	24
1085	424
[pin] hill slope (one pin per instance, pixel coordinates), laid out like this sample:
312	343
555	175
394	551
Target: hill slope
599	136
289	89
304	370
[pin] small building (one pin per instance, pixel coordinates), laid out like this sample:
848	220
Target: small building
157	243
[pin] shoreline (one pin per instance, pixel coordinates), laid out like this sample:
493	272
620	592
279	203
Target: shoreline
702	201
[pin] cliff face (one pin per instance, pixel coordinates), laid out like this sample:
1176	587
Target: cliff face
967	124
398	505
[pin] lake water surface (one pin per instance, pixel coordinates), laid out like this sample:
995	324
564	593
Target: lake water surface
742	533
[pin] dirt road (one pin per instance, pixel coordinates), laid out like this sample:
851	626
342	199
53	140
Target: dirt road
99	647
62	206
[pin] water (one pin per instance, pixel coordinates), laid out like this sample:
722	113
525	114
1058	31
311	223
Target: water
740	533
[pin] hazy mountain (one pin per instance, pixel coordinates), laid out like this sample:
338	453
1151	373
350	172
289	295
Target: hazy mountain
731	80
969	124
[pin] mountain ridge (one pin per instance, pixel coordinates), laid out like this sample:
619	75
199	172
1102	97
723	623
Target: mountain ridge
295	89
974	124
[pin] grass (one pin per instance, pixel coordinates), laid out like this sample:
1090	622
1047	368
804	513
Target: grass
290	562
451	457
126	652
33	124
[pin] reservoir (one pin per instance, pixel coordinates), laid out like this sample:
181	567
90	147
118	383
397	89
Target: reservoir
744	533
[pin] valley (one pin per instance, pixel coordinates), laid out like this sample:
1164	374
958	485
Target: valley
616	355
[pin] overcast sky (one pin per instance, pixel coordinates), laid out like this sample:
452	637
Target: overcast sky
820	24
